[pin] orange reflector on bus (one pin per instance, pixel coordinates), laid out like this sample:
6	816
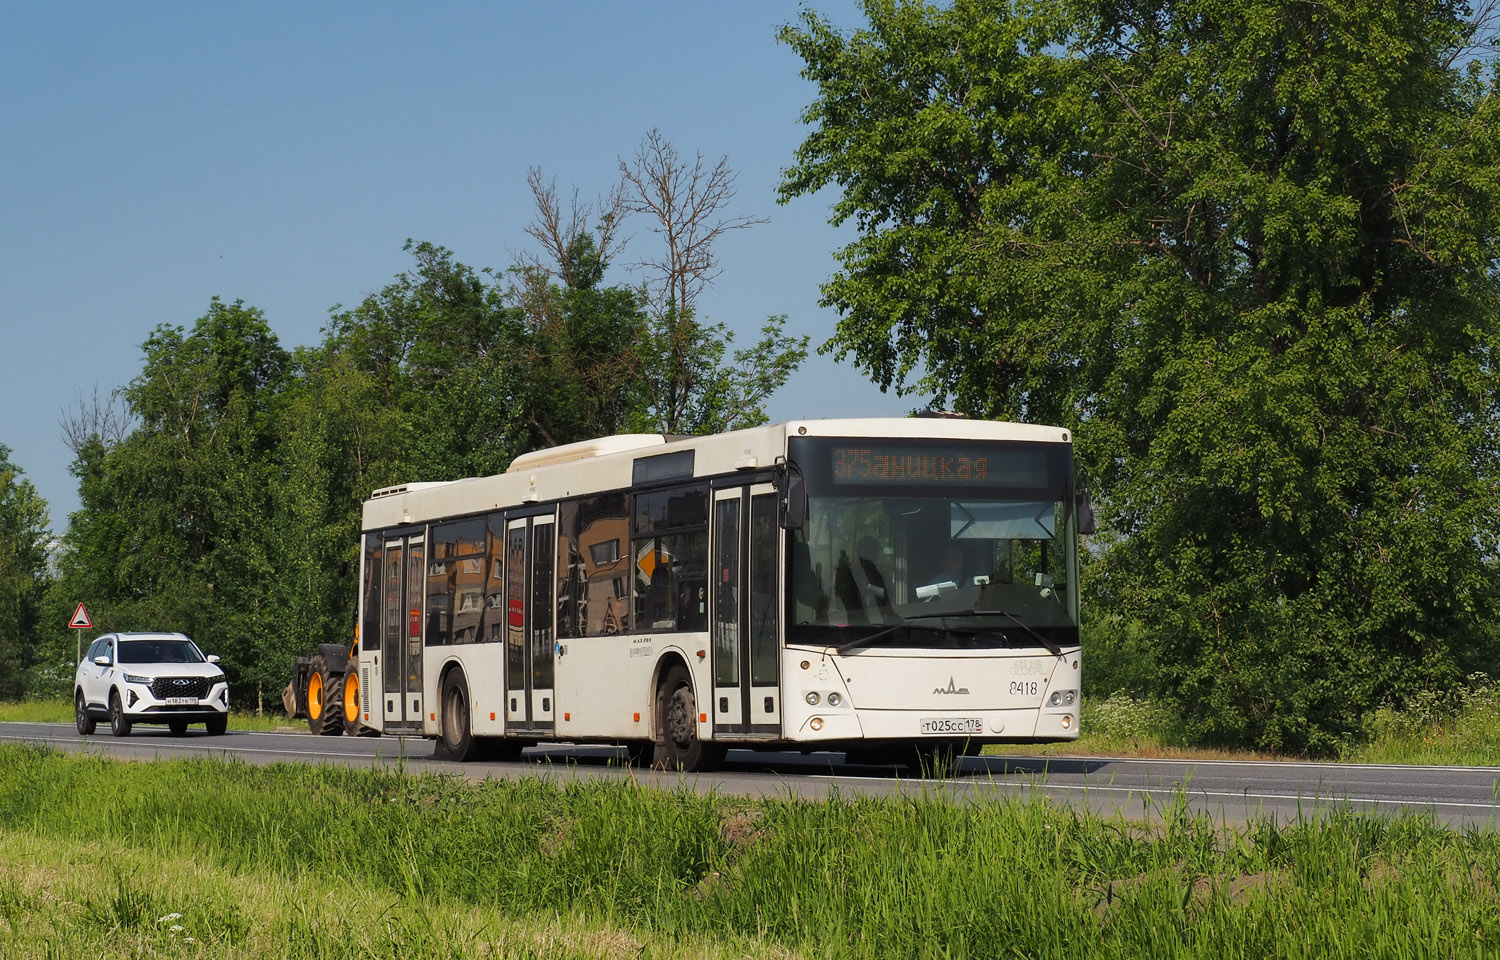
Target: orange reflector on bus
702	718
492	714
567	716
637	718
432	716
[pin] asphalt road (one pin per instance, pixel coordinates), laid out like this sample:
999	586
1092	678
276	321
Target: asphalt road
1231	791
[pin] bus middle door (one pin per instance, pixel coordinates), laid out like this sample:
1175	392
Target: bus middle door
529	634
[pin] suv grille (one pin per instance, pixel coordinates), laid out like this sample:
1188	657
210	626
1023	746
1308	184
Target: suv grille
164	687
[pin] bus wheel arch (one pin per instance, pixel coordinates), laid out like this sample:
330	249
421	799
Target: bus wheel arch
666	664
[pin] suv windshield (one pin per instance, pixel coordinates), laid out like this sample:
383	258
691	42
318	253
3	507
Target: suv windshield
159	651
934	559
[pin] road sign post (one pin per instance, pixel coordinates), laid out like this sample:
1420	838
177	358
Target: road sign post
80	621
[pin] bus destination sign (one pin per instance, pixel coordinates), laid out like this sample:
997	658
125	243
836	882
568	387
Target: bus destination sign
876	464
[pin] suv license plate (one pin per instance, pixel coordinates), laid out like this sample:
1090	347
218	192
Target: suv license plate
951	725
181	701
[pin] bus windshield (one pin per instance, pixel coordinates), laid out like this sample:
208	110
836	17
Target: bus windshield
927	560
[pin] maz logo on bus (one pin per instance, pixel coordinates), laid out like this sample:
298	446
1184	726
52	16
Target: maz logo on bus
951	690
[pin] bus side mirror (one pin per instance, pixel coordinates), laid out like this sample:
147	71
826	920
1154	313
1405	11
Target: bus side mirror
792	505
1085	506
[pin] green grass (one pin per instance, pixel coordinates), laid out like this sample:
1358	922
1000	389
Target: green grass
1459	729
61	711
370	863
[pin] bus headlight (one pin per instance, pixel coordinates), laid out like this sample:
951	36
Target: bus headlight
1056	699
834	699
1070	697
812	698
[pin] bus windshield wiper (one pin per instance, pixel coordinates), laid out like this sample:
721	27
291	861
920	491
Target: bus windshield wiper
872	637
1052	647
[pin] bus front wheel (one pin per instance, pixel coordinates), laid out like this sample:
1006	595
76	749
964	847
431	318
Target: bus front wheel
677	744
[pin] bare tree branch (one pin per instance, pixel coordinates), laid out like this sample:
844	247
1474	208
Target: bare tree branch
556	230
683	202
105	418
1481	39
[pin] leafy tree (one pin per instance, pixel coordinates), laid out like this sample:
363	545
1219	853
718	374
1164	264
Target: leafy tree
432	344
23	573
172	529
1246	249
575	341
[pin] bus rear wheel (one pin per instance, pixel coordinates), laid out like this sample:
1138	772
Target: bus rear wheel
677	744
455	741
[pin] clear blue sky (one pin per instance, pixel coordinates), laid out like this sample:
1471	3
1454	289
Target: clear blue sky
156	155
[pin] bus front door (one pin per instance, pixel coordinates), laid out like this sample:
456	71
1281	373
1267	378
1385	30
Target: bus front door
398	664
745	634
529	634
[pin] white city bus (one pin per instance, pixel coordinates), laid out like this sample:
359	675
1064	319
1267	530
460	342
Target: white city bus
892	588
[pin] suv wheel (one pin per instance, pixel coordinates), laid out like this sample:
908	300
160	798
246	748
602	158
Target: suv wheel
81	715
217	725
178	727
119	724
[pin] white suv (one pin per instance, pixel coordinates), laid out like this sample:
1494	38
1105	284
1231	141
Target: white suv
130	678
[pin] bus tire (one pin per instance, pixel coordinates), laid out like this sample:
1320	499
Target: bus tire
455	740
677	743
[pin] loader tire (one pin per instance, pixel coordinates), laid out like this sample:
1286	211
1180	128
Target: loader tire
354	725
325	699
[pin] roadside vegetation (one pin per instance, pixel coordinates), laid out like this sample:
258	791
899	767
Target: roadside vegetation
296	861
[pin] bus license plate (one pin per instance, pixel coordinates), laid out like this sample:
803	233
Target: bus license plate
181	701
951	725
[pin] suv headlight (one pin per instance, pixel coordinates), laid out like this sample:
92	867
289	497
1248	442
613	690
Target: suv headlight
132	678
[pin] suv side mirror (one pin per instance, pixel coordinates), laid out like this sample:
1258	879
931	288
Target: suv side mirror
102	660
1085	507
213	658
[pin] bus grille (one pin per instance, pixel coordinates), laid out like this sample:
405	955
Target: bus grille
164	687
364	689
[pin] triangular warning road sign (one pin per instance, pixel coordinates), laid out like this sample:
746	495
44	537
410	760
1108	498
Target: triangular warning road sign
80	618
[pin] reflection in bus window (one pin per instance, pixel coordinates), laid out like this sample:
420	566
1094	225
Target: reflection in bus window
603	608
670	555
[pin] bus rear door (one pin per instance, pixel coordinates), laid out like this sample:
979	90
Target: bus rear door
396	668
